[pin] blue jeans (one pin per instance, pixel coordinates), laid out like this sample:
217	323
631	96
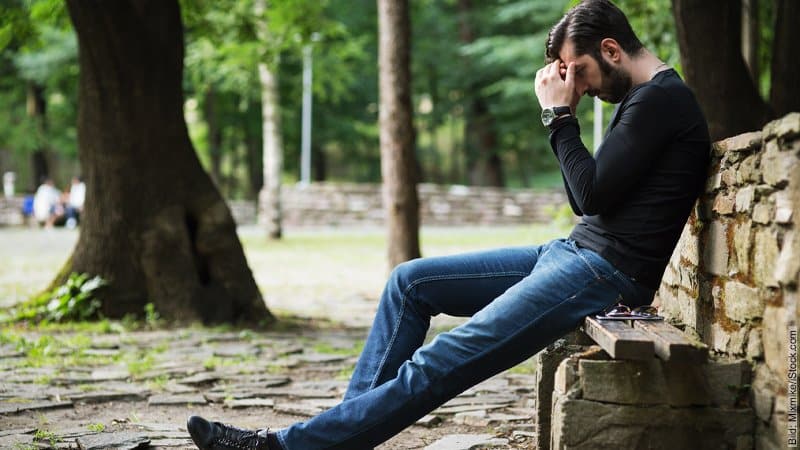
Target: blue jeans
520	300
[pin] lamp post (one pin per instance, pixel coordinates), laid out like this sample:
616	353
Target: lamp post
305	142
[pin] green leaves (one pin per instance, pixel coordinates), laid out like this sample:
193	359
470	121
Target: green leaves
76	299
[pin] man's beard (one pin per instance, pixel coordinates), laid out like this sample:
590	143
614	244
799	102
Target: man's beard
615	83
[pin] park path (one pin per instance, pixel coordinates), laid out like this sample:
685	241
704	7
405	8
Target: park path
135	389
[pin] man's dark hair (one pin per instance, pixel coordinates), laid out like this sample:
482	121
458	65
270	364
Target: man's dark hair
586	25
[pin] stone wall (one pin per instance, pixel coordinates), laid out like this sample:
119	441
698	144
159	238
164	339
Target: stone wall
733	278
342	204
329	204
732	283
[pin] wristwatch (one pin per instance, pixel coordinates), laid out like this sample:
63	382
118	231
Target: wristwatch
550	114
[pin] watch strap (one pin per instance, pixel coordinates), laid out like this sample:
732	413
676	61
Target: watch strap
561	110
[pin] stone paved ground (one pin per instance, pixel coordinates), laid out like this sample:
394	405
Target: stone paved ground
136	389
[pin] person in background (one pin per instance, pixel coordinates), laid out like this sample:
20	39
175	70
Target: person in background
47	204
75	201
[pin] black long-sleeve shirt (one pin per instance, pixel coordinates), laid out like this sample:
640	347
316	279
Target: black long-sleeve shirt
638	190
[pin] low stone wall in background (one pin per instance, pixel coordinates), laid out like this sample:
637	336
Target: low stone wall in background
733	278
332	204
352	204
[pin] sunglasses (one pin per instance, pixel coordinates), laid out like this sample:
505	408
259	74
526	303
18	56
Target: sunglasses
624	312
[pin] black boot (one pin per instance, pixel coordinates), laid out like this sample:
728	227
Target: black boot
218	436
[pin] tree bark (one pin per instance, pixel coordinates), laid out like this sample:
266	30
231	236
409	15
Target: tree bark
270	197
398	161
154	225
255	160
273	151
785	88
709	38
36	108
211	114
484	166
751	38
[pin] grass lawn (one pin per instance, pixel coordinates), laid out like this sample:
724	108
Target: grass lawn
334	273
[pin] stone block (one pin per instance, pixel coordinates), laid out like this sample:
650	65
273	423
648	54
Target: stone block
763	212
583	424
687	305
688	279
727	381
690	247
667	300
715	249
547	376
762	395
744	199
776	166
623	382
728	175
765	257
720	338
670	277
566	375
724	203
652	382
775	335
755	346
742	302
784	205
787	268
787	126
738	341
742	242
747	172
739	143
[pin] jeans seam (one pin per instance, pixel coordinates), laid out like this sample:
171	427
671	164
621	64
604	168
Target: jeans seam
282	440
586	261
432	381
404	300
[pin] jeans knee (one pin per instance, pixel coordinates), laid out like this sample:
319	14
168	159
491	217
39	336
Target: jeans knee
403	281
405	274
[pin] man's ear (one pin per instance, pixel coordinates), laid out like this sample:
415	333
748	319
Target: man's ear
610	48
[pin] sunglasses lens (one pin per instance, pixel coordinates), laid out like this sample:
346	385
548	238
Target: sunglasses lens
646	310
619	310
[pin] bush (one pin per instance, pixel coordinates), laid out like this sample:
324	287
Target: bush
76	299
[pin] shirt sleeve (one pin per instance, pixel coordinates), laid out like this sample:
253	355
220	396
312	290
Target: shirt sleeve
595	185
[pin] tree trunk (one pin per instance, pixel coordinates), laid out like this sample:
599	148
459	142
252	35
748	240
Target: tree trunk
785	89
398	161
270	198
273	151
484	166
154	226
320	163
709	38
36	108
751	38
210	111
255	169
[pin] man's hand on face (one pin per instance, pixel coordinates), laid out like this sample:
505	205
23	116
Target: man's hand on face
555	85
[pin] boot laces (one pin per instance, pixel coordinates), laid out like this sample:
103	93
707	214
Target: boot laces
240	438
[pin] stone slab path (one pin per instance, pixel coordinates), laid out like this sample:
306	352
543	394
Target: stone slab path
132	390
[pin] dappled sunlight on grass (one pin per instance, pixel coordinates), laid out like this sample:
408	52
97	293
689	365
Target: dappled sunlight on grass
339	273
331	273
31	259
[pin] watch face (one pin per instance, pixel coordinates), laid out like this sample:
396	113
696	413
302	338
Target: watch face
547	116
